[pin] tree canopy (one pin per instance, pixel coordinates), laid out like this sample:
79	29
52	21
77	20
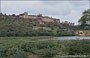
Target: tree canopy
85	19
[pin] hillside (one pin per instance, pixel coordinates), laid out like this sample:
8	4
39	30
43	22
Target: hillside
24	25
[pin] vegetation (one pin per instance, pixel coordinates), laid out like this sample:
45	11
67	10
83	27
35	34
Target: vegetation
24	47
12	25
85	20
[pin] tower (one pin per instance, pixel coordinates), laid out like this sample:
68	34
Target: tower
25	13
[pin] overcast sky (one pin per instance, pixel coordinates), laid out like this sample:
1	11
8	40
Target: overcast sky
64	10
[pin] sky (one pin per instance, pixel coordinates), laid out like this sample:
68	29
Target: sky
64	10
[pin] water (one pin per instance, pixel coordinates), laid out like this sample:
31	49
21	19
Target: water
67	38
72	38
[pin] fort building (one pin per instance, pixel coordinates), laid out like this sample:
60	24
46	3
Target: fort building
41	19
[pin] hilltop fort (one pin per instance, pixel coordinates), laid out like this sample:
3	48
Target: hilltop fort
41	19
44	19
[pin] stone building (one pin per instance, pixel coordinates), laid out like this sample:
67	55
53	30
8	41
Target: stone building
66	23
41	19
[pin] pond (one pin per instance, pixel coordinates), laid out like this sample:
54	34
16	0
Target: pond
67	38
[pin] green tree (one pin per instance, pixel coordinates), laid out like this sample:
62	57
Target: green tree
85	19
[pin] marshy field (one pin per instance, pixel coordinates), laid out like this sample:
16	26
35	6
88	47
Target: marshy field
31	47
